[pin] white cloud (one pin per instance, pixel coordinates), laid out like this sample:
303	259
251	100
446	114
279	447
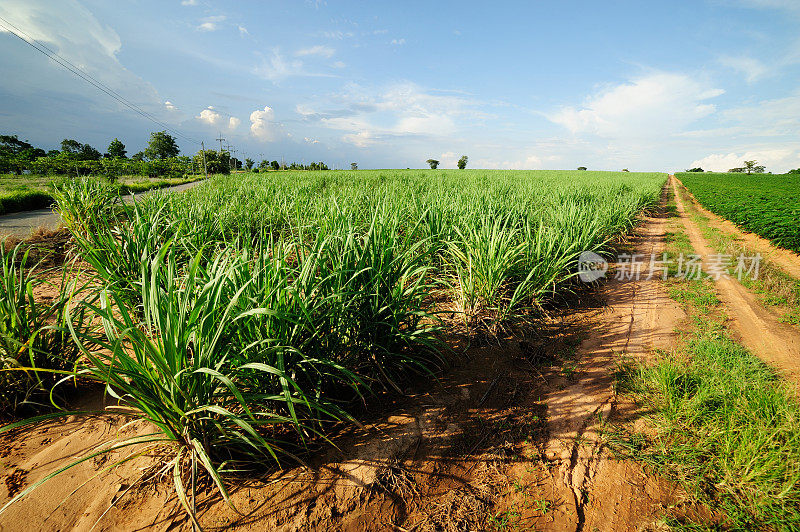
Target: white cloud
169	106
233	123
362	139
403	109
530	162
650	107
277	67
210	116
777	117
211	23
339	64
751	68
188	2
398	42
262	124
75	34
243	31
318	50
339	35
310	140
775	159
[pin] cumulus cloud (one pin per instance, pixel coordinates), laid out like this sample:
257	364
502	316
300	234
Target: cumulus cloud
319	50
233	123
310	140
169	106
262	124
775	159
362	139
653	106
210	116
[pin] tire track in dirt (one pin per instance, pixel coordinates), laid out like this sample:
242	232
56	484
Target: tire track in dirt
639	318
785	259
776	343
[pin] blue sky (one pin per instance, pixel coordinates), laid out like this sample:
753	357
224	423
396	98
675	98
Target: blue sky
644	85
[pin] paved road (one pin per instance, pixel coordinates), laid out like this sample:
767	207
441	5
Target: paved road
22	224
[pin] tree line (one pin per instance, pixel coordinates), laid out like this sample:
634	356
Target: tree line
750	167
160	158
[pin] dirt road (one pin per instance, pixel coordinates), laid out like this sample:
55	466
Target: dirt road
759	330
22	224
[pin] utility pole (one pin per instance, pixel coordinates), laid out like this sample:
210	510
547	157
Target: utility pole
205	168
221	139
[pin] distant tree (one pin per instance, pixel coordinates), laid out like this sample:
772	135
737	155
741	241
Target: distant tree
216	162
434	163
795	171
89	154
581	168
275	165
263	165
162	145
249	163
117	149
17	155
625	170
698	169
10	144
752	167
71	147
462	162
353	166
139	156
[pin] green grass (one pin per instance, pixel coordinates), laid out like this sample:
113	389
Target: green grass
773	286
765	204
719	422
31	192
34	342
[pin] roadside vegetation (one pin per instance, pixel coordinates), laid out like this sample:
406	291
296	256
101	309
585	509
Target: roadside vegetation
716	419
247	316
775	288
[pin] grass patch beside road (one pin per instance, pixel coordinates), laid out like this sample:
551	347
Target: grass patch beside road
773	287
27	192
717	420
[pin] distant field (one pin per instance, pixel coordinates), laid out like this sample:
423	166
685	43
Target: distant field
765	204
29	192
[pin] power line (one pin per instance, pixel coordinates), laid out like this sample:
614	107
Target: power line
27	39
